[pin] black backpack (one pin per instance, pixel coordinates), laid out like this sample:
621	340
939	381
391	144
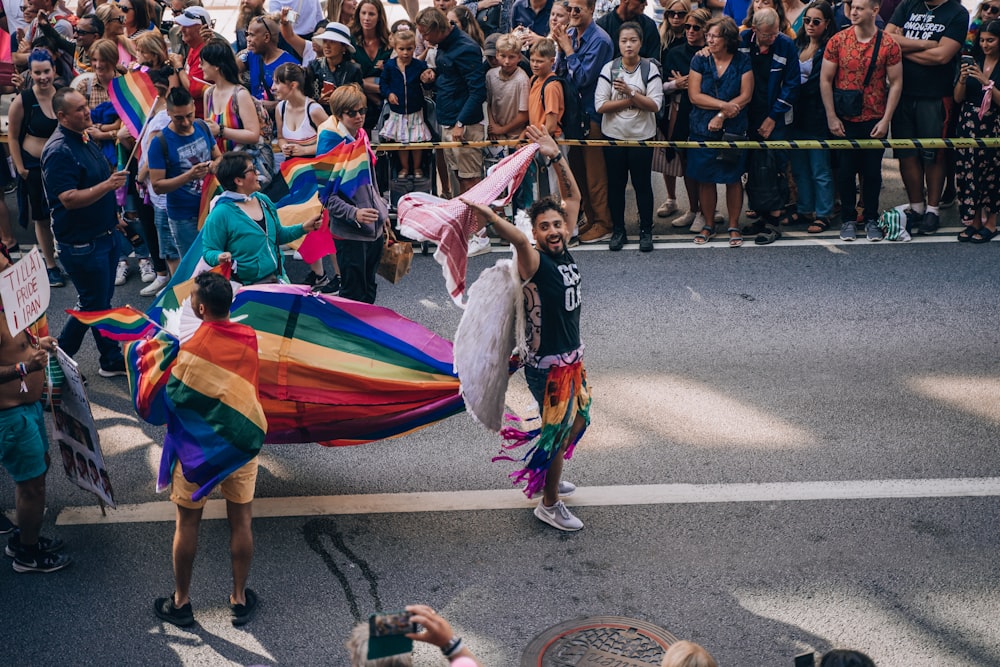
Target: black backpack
574	123
644	71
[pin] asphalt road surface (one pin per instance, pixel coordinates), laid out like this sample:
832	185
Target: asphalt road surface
793	448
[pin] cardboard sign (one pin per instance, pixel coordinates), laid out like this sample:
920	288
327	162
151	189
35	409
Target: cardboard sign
24	291
75	431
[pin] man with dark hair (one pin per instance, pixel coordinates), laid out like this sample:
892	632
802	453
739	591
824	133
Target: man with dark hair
554	366
46	12
24	445
215	338
930	35
632	10
586	48
264	58
459	78
179	159
88	30
81	192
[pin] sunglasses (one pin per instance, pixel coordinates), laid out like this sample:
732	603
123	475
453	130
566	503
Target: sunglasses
693	28
991	9
126	8
354	113
675	15
118	19
77	31
196	17
813	21
574	10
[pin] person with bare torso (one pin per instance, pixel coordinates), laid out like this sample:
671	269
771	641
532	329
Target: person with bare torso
24	445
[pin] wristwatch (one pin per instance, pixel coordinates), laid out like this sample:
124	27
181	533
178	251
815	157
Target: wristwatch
458	123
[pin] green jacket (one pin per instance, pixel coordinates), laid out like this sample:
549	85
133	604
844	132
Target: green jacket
256	257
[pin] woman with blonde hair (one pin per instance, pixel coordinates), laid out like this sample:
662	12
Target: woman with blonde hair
687	654
113	19
778	6
466	20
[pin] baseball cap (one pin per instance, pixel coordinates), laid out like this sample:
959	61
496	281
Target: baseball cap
491	45
193	16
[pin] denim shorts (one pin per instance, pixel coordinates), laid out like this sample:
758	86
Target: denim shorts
23	442
168	249
185	231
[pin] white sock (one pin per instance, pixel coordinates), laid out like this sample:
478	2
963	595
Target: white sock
933	209
917	207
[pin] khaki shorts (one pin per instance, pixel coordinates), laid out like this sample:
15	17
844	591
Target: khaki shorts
237	488
468	162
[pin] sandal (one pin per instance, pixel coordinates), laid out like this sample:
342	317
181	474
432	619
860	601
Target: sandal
418	174
796	218
818	226
984	235
769	235
704	235
735	241
966	234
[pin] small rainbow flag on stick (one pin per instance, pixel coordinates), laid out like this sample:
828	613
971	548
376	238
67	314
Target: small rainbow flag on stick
209	189
133	96
124	323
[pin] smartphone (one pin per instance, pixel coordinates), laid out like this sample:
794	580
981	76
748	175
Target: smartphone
968	60
329	87
387	625
292	16
805	660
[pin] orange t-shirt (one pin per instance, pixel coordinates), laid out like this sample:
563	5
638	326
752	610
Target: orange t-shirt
553	102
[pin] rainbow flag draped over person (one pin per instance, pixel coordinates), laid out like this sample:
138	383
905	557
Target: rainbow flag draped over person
132	95
124	323
215	422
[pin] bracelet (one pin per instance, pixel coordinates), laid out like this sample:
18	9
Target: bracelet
555	159
452	647
720	115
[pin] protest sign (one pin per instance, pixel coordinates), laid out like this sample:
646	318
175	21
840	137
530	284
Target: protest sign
76	433
24	290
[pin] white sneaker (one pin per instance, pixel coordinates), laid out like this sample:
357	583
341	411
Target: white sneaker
146	271
121	273
684	220
667	208
479	245
698	224
153	288
558	516
566	489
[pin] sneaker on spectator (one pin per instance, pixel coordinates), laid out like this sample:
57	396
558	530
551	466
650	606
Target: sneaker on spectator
595	234
153	288
165	610
332	286
929	223
55	277
479	245
315	282
558	516
873	231
146	272
114	369
684	220
566	489
121	273
848	231
618	240
645	241
913	220
46	545
698	223
34	560
667	208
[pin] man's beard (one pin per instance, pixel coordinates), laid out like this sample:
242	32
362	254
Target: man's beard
246	15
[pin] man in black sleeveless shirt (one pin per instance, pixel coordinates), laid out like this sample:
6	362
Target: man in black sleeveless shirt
554	367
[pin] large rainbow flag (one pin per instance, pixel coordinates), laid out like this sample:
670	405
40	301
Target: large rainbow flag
124	323
133	95
215	420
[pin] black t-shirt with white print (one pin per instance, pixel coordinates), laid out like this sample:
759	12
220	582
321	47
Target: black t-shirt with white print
917	20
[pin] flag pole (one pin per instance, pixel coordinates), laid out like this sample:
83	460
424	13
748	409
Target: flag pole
138	140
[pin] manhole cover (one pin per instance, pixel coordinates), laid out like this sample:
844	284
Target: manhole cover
599	641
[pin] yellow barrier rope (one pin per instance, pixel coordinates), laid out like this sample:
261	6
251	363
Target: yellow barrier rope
792	144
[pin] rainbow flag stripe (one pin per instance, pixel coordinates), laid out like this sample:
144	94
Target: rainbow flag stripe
215	421
209	189
148	362
133	96
352	171
124	323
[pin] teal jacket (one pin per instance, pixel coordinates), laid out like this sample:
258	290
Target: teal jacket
256	256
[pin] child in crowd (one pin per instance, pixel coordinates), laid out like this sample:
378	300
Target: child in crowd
507	88
545	98
400	86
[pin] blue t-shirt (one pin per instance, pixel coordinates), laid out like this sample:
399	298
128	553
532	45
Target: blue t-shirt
182	153
261	89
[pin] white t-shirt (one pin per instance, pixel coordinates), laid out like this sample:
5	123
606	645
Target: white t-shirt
630	123
310	13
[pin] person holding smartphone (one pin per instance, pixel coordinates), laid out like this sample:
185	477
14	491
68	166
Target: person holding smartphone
336	67
80	187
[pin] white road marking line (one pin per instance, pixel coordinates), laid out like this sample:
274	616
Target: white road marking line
592	496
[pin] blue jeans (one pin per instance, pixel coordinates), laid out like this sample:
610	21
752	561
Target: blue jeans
168	249
91	267
814	179
185	231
